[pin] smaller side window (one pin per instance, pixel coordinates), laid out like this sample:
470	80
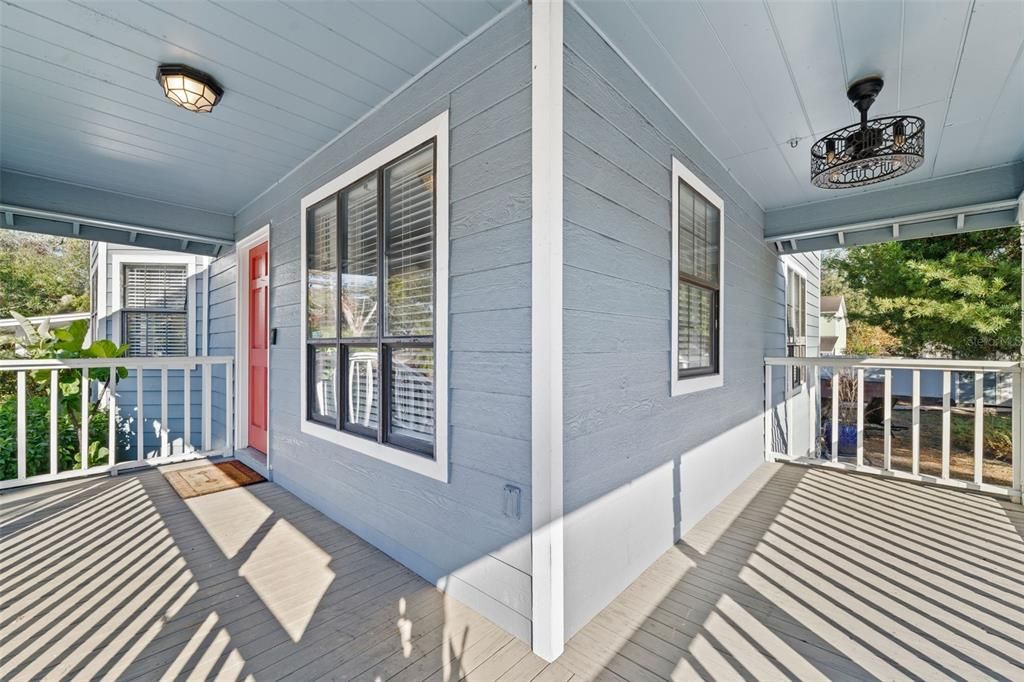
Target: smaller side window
796	323
698	240
154	314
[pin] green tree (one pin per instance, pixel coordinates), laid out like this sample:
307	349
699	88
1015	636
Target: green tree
958	294
42	275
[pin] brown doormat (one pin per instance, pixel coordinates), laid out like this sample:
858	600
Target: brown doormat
211	478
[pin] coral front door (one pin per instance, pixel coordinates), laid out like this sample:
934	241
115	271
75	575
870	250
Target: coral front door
259	295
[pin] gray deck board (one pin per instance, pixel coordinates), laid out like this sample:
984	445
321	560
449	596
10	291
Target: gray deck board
801	573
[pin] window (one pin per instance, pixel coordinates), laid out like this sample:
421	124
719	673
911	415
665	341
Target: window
375	242
697	259
154	313
796	323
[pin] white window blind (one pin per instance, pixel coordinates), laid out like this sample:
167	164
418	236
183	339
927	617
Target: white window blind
155	309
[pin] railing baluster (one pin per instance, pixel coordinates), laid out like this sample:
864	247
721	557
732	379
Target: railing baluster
140	429
860	416
105	398
887	420
187	380
21	427
812	411
207	438
979	424
112	418
54	388
163	411
947	396
835	414
229	427
85	418
915	404
1017	414
768	417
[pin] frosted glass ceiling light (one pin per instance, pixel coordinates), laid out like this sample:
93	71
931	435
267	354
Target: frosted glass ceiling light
189	88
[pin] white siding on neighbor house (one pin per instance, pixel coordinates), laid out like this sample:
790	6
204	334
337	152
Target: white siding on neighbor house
455	533
642	467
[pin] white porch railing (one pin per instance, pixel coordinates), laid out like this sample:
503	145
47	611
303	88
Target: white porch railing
791	412
126	438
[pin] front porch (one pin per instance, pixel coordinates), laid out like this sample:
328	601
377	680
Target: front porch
800	573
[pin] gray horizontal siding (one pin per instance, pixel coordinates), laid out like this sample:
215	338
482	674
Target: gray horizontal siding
641	466
455	529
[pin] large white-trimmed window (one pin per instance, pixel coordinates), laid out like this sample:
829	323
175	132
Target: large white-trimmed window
796	323
375	264
698	238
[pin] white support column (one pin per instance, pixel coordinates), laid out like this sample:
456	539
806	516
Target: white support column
546	300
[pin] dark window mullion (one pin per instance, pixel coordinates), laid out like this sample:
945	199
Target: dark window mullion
383	362
341	375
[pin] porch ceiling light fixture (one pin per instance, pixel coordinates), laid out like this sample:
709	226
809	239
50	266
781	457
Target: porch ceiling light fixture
189	88
871	151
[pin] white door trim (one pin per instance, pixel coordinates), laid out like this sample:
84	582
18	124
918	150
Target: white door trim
242	249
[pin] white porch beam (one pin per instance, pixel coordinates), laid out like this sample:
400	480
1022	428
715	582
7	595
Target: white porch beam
132	232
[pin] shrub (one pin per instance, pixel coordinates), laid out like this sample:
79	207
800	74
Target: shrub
68	343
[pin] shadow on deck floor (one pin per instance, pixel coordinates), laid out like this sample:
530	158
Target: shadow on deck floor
801	573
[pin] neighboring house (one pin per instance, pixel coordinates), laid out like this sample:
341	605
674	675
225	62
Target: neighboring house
154	302
833	325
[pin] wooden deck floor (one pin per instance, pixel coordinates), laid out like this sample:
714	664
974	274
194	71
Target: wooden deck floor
801	573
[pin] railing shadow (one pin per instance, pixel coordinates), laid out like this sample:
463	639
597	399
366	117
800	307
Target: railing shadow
247	582
813	574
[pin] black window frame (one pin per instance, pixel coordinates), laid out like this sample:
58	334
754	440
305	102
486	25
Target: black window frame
714	288
126	311
385	345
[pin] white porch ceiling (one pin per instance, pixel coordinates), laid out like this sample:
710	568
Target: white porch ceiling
79	101
749	75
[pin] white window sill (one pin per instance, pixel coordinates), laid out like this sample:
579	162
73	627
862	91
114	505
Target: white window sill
695	384
436	468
